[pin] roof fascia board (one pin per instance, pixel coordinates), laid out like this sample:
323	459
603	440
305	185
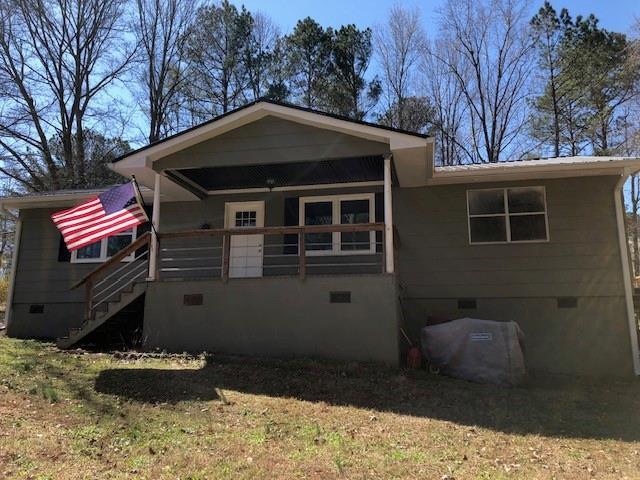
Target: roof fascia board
500	176
396	140
43	201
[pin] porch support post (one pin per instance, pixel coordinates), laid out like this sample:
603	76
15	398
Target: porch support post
154	250
302	256
388	216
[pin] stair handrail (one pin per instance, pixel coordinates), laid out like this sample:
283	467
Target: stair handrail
141	241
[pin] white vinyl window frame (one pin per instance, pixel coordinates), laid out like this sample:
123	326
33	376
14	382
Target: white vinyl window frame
336	243
103	250
506	214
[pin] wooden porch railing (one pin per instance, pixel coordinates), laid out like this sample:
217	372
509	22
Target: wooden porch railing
113	275
300	231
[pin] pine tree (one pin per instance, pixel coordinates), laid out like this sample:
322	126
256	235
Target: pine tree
308	51
350	94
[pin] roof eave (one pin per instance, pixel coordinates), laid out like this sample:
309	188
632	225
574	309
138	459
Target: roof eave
480	175
56	200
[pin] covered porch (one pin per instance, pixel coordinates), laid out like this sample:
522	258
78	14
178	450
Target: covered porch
324	217
288	270
340	228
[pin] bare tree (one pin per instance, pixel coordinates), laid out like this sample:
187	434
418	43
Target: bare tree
399	45
490	58
160	26
448	106
57	57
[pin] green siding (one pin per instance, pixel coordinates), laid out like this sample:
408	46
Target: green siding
271	140
41	279
436	266
521	282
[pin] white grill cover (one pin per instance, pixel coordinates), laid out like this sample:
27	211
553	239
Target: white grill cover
482	351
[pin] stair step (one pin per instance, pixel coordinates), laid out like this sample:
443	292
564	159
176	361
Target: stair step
103	307
102	313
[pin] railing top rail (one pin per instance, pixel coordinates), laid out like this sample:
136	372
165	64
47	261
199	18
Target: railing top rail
218	232
141	241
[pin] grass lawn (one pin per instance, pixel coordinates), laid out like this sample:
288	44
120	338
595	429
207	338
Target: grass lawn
74	415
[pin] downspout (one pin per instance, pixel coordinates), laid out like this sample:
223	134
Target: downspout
14	265
626	271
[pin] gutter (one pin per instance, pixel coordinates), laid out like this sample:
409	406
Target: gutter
626	270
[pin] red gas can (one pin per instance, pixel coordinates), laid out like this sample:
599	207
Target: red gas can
414	358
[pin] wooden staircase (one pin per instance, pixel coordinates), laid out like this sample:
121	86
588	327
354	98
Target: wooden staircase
111	287
102	314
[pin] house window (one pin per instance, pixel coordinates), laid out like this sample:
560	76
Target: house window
338	210
502	215
103	249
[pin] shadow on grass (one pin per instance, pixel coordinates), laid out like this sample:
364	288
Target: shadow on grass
547	407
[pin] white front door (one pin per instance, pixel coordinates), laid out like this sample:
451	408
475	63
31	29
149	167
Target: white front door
245	256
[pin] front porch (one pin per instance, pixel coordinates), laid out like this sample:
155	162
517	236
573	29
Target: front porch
307	218
304	269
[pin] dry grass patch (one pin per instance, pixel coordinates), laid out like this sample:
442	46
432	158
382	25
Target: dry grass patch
71	415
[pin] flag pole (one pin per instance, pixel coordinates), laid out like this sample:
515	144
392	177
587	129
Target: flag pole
144	205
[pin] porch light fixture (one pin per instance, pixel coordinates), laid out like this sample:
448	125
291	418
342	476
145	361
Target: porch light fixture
270	183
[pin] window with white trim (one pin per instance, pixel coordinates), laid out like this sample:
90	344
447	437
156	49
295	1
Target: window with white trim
338	210
104	249
507	215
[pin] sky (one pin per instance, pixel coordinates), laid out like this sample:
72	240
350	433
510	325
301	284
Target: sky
615	15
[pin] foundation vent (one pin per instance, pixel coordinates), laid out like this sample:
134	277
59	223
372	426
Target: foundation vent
467	304
567	302
36	308
192	299
339	297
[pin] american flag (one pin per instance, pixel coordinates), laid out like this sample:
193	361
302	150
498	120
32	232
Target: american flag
111	212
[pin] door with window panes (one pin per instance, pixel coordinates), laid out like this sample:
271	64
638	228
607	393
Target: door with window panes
245	254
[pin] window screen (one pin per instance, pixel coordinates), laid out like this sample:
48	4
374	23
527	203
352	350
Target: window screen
515	214
318	213
90	251
353	212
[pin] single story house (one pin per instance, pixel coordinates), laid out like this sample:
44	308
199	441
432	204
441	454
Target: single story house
284	231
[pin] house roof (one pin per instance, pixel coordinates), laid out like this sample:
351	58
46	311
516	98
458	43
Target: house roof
554	167
270	102
412	151
57	198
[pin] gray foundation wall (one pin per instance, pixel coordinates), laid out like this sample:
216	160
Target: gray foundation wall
437	266
282	317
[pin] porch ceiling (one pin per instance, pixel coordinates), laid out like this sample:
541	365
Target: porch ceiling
345	170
